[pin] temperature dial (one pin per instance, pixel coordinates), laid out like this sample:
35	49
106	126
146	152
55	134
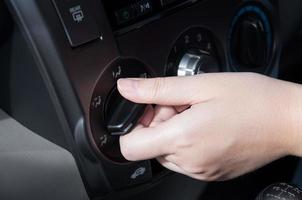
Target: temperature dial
193	53
193	63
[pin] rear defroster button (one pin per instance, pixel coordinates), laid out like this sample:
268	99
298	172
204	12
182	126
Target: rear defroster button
78	21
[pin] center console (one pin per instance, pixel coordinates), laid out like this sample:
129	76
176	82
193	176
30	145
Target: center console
83	47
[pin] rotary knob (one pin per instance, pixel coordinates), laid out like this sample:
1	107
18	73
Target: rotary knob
251	40
194	52
197	62
251	48
121	114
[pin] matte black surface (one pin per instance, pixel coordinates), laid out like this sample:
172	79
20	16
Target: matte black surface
6	23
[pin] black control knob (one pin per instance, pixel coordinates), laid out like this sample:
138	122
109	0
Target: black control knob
282	191
251	40
121	114
197	62
251	47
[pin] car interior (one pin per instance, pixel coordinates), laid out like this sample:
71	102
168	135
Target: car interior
61	114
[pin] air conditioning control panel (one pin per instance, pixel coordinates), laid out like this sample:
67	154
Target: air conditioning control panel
187	42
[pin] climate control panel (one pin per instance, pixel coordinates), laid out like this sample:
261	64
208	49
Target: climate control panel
247	44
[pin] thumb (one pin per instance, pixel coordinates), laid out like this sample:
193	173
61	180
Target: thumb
145	143
162	91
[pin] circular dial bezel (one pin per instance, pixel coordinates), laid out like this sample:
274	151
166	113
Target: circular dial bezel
108	146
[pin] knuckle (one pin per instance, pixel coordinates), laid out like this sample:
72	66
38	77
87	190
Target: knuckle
203	172
212	175
209	177
192	169
158	87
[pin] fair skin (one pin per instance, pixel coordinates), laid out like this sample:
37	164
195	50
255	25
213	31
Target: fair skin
214	127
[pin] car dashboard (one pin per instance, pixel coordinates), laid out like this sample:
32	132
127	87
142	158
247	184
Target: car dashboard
62	59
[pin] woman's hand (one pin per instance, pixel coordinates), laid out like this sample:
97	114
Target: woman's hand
214	126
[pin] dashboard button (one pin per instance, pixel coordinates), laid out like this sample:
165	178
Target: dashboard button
134	11
139	174
122	176
143	7
252	49
251	40
78	21
125	14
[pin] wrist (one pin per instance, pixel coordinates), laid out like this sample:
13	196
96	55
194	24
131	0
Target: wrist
293	133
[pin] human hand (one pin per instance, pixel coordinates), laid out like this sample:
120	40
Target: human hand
214	126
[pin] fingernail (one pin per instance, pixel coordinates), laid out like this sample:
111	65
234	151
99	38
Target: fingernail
127	86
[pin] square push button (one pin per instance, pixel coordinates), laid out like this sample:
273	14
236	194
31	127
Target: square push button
78	21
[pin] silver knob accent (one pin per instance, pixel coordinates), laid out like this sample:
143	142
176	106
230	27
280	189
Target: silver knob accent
189	65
